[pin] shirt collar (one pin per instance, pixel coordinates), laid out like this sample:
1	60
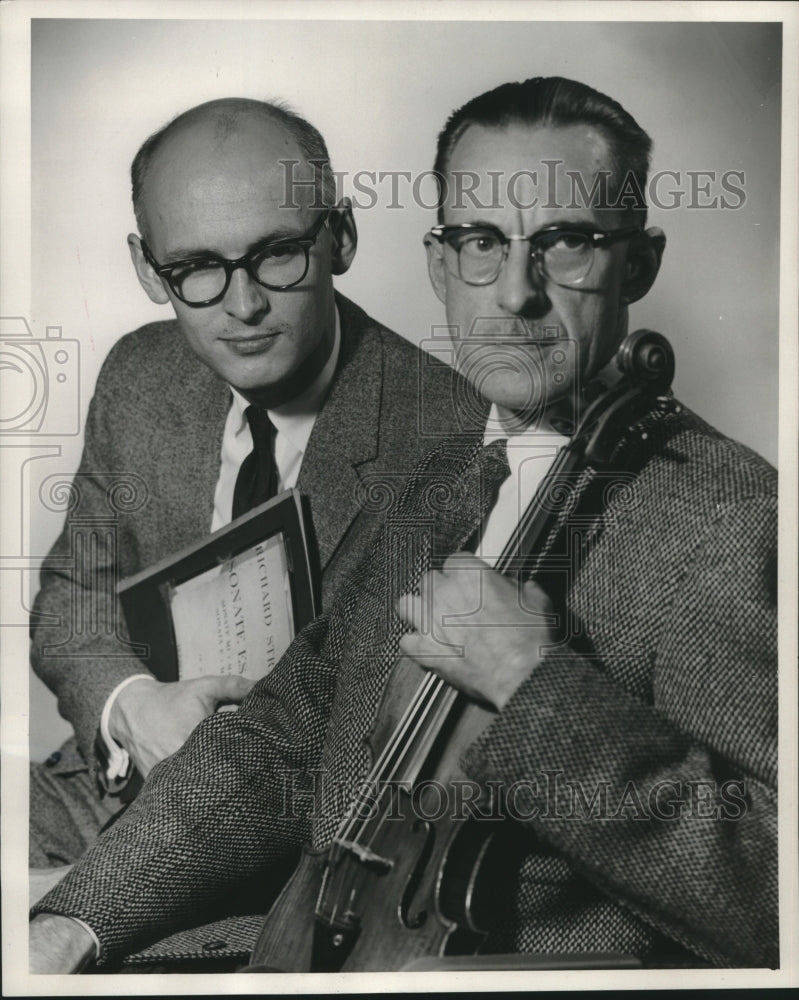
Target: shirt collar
539	434
500	426
521	444
295	419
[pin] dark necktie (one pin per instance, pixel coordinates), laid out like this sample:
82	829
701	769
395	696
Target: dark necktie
492	462
487	473
257	478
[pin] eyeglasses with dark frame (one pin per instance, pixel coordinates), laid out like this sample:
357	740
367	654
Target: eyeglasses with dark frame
564	254
277	265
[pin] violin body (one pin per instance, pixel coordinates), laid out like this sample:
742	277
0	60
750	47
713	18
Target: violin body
430	900
424	857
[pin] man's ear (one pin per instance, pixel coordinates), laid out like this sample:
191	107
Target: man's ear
148	279
435	267
644	254
344	234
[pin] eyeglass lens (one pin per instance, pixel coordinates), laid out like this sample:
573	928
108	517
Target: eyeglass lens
203	280
565	258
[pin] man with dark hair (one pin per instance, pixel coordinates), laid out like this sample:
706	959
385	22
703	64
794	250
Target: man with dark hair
559	103
628	689
260	347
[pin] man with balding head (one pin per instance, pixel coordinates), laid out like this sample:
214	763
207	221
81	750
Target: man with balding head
240	233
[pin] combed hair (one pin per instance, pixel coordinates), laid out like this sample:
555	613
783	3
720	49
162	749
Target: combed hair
553	101
226	114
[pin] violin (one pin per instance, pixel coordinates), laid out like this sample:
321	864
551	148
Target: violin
404	879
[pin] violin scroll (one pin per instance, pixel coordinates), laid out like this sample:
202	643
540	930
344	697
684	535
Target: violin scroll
646	361
647	357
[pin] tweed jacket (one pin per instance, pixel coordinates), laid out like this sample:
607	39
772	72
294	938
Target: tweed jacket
146	483
663	697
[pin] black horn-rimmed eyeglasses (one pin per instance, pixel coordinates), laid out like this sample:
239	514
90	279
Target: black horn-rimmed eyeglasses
203	280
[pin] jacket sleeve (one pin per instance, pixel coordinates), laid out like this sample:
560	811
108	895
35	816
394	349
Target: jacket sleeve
218	821
667	803
78	637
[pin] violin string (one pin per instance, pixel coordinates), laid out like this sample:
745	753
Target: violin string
422	701
349	880
391	758
403	747
409	751
406	733
441	711
401	744
417	703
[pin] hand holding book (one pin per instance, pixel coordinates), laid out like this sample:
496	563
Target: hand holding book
152	720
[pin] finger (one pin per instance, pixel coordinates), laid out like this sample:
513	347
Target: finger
536	600
413	645
409	609
427	651
235	688
461	561
227	688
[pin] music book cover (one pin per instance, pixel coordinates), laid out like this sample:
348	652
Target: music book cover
230	604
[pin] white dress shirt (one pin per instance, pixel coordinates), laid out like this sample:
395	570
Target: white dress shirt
531	453
293	423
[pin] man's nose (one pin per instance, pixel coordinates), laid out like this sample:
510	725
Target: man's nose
520	286
245	299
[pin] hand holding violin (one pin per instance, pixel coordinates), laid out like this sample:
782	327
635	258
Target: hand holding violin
477	629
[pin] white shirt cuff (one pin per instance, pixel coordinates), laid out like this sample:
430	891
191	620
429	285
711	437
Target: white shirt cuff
118	757
94	938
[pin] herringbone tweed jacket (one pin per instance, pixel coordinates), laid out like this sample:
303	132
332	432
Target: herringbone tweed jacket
146	482
664	699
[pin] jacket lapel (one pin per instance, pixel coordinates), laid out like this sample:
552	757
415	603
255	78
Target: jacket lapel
190	462
454	493
345	438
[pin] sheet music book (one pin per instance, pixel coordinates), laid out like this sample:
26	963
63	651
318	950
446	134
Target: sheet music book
232	603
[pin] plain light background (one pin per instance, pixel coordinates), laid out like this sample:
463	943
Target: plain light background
379	91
